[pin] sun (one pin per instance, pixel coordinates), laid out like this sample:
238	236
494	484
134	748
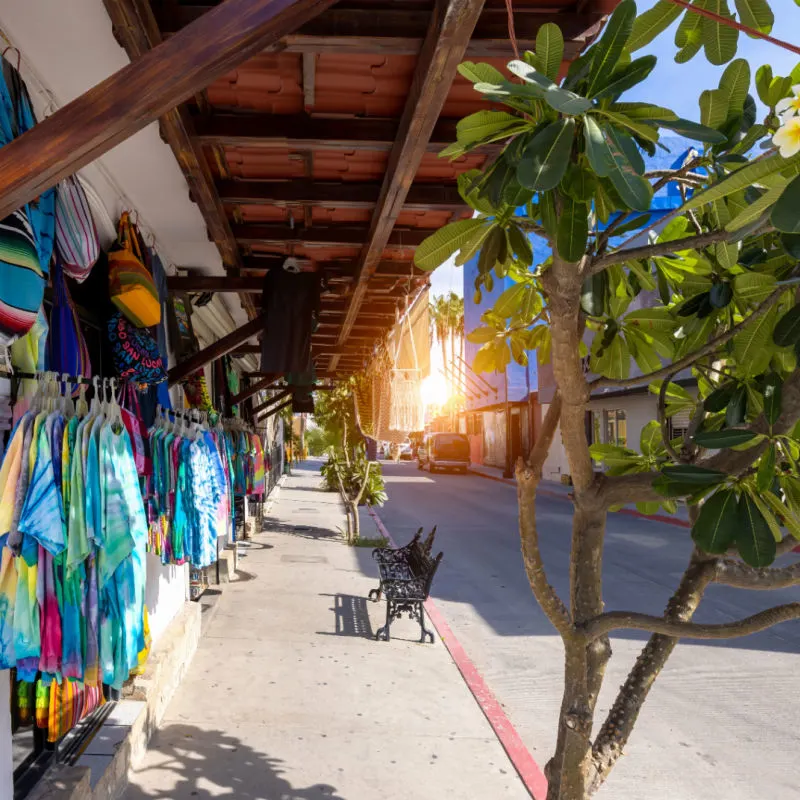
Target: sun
435	391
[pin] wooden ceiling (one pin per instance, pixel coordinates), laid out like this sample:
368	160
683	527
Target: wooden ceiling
324	146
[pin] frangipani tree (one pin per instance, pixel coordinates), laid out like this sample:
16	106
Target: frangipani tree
723	271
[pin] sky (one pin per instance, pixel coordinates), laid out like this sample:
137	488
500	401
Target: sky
678	86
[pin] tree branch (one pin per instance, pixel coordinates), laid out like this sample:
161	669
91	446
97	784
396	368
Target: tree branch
658	249
682	363
731	572
618	620
676	175
528	477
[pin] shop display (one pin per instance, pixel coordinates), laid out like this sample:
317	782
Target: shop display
77	244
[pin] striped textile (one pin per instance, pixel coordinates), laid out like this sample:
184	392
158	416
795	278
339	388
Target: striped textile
76	235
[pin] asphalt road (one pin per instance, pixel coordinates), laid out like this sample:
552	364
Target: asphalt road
722	719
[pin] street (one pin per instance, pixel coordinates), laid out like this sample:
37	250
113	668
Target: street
721	720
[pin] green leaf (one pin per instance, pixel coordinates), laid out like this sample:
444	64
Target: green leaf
692	130
766	469
580	184
689	473
755	14
652	22
735	81
519	244
549	219
627	77
614	455
650	439
786	514
597	149
737	407
615	360
719	398
787	330
715	528
644	111
546	158
550	49
754	539
753	287
594	294
751	174
714	106
573	230
763	82
485	359
772	391
635	191
638	127
607	51
753	211
510	300
474	243
719	40
482	335
690	31
643	350
560	99
441	244
480	73
488	126
786	213
717	440
752	347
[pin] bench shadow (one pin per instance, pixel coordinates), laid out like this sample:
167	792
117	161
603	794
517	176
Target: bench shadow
351	617
304	531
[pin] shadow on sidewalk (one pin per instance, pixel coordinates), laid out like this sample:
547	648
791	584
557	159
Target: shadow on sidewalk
192	763
352	617
272	525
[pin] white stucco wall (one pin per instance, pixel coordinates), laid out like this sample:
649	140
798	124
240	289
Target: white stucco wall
6	764
166	590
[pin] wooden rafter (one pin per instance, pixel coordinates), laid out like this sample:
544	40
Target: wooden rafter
445	44
142	91
136	29
254	388
354	30
340	194
301	131
275	233
216	350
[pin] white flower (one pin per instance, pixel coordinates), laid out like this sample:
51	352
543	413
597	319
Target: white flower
789	106
787	138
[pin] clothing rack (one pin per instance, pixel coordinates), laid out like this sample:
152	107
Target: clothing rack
59	378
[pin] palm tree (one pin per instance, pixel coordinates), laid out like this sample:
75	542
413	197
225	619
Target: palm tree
455	308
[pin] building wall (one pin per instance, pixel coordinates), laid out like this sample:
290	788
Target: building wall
6	763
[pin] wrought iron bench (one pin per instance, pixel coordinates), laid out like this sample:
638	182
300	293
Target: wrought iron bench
406	575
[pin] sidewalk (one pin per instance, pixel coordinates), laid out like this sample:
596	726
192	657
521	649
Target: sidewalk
559	491
289	696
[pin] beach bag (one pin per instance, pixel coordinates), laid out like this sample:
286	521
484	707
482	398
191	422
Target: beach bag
134	352
77	243
24	251
66	348
131	285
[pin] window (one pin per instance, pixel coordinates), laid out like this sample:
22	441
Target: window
616	425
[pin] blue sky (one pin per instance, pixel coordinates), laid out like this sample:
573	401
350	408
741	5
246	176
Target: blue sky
678	86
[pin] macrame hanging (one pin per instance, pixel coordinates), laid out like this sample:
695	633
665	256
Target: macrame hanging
406	412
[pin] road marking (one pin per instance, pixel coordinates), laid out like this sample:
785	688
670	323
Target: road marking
528	770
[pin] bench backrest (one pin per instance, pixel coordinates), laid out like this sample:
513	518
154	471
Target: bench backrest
422	565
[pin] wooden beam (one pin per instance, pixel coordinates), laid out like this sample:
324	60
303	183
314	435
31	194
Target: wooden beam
270	400
213	283
386	31
309	80
216	350
343	268
275	410
247	349
445	45
341	194
353	235
301	131
253	388
136	30
142	91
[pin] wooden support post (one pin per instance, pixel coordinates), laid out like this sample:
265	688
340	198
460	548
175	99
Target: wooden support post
142	91
216	350
446	42
254	388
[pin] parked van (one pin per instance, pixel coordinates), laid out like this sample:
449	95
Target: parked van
444	451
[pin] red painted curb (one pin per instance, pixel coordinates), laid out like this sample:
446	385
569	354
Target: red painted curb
529	772
631	512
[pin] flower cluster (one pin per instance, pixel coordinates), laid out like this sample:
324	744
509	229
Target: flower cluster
787	137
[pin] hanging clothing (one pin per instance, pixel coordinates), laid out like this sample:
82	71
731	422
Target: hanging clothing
291	303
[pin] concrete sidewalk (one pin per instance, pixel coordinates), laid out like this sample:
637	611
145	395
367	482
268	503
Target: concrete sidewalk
291	698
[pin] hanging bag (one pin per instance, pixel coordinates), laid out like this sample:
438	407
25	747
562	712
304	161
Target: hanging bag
77	243
131	285
24	243
66	347
134	352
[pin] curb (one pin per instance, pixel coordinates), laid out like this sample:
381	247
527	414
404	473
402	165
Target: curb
528	770
631	512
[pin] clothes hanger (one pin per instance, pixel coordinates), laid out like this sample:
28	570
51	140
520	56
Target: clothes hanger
95	409
82	407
